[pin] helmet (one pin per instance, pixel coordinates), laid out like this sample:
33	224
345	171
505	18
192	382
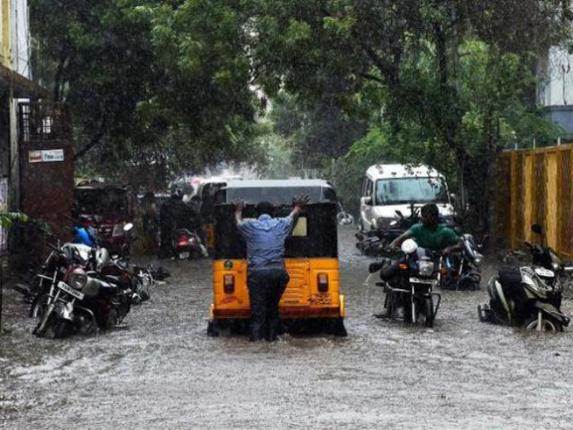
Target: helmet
176	193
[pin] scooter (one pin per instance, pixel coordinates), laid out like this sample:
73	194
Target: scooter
343	217
187	245
528	296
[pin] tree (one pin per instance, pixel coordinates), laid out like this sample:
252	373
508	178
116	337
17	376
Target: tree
162	85
319	129
405	62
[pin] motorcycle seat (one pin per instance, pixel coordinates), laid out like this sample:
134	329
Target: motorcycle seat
510	281
112	279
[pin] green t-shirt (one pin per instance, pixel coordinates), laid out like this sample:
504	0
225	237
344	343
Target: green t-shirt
437	239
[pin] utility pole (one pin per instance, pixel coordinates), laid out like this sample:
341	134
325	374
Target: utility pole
1	290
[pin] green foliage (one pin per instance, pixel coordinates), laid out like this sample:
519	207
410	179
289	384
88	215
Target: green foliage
161	86
166	86
8	218
319	130
446	83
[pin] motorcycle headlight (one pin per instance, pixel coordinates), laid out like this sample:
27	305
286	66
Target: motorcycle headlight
117	230
477	259
78	280
529	281
555	266
425	267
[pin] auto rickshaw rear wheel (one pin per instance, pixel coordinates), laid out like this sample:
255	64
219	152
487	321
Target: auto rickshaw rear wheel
338	328
212	330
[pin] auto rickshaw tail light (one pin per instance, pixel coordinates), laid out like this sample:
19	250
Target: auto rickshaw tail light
322	282
228	284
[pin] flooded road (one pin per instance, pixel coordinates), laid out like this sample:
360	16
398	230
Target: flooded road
163	371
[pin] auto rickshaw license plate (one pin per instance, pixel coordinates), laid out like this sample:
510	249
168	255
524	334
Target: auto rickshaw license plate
183	255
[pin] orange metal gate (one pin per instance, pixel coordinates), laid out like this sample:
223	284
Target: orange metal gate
534	186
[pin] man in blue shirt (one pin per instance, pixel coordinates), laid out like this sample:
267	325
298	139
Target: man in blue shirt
267	277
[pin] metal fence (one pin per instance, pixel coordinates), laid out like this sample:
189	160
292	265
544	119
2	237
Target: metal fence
42	121
535	186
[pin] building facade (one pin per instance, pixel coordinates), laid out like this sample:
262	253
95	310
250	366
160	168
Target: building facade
555	88
15	84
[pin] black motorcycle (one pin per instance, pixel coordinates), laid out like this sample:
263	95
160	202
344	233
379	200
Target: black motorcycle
83	302
51	272
408	283
528	296
374	243
460	271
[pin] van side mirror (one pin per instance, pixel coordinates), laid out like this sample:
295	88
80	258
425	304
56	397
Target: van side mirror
366	201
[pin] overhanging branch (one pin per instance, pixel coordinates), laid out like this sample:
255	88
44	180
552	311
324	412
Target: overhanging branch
95	140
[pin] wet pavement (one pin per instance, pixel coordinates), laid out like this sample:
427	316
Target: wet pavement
163	371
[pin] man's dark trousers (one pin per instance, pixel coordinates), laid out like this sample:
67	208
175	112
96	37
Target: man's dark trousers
266	286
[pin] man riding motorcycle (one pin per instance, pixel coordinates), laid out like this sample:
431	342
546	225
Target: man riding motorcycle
173	214
429	234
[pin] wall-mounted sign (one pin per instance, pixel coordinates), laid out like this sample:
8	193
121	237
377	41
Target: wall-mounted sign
45	155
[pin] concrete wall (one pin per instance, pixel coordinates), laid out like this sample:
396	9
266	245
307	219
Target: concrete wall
5	34
556	78
20	41
555	87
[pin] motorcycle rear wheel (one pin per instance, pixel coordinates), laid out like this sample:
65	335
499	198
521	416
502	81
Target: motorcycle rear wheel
548	324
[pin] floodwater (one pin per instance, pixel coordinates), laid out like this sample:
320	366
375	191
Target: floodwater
162	371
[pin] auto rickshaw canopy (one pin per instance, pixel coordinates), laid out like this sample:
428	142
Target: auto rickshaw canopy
315	234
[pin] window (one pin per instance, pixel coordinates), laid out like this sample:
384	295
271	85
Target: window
410	190
300	228
369	186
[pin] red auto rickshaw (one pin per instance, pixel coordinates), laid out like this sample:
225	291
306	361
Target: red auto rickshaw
107	208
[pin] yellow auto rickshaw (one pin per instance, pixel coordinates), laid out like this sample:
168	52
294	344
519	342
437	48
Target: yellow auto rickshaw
312	297
206	192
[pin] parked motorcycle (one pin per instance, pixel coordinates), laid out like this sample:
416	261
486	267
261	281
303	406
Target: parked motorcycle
460	270
373	243
187	244
408	282
528	296
82	302
343	217
139	279
61	257
89	236
53	269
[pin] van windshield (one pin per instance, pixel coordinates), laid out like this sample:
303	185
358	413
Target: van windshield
410	190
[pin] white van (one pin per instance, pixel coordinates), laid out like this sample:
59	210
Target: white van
388	188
